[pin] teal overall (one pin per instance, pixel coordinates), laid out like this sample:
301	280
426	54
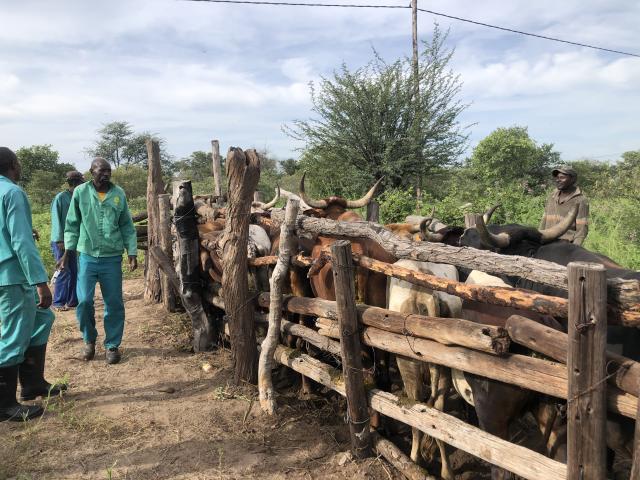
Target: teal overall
100	230
22	324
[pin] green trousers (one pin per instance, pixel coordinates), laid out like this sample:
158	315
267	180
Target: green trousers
22	323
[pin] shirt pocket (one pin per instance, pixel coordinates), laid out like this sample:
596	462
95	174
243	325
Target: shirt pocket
110	227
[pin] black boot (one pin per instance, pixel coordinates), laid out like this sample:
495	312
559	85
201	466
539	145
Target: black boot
9	408
31	374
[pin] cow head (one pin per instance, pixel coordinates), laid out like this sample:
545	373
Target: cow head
335	207
513	238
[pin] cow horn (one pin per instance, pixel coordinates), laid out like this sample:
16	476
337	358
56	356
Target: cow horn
364	201
552	233
271	204
426	234
500	240
310	201
487	215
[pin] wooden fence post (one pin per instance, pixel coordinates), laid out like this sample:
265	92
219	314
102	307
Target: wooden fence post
586	367
243	172
169	298
217	171
635	467
155	187
357	406
278	278
471	220
188	266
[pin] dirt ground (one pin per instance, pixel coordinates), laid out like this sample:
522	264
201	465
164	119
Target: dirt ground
160	415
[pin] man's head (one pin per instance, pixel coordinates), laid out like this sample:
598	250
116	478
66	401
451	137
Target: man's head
565	177
100	171
74	178
9	164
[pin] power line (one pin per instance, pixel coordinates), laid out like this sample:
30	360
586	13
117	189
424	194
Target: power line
439	14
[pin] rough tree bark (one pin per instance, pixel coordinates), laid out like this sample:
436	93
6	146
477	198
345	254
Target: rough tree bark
155	187
271	341
169	298
243	173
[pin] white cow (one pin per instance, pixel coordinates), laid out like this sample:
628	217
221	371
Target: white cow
408	298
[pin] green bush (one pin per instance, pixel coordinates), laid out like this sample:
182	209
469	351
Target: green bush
396	204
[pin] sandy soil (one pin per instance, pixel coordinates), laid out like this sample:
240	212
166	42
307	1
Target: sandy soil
160	415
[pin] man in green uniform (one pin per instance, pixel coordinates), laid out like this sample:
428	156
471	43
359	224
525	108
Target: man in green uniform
99	226
64	295
562	201
25	317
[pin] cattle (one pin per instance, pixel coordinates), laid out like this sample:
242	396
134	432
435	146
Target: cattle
409	298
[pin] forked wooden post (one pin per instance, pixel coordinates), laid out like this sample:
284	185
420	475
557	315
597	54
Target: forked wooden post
586	366
271	341
169	298
155	187
217	170
357	406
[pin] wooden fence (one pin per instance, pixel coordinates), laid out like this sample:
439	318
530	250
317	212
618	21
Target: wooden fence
576	368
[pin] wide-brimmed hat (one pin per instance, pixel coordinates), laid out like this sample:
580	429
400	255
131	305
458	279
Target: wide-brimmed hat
566	169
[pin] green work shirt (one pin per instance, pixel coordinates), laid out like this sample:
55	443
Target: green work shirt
20	261
59	209
99	228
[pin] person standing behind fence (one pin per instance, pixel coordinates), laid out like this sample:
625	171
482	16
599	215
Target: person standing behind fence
25	298
561	202
64	294
99	226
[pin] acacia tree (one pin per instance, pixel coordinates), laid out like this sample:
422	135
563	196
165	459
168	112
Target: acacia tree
369	122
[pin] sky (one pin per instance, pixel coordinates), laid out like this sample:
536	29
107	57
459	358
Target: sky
191	72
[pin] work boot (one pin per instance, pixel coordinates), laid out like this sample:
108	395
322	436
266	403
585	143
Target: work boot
10	409
31	375
88	351
112	355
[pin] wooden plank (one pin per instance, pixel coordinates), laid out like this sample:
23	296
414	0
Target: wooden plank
358	412
272	339
517	459
625	373
635	467
169	299
155	187
586	366
624	295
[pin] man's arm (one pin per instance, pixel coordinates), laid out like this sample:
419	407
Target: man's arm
71	229
57	224
582	223
18	222
129	237
543	222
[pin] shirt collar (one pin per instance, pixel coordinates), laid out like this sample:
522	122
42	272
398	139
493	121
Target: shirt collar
575	193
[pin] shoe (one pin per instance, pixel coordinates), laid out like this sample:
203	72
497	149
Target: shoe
10	409
112	356
31	375
88	351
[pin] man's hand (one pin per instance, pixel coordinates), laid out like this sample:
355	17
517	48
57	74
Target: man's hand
60	246
44	294
36	235
62	263
133	262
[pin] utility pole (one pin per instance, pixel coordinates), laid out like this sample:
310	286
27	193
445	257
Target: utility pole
416	94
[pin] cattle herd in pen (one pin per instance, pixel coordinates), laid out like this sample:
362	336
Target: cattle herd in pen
494	404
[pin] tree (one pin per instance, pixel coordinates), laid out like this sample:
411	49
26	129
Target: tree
112	142
289	166
43	158
132	179
43	186
508	155
195	166
370	124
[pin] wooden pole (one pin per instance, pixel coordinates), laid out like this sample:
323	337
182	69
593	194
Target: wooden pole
155	187
188	266
623	372
217	170
243	173
586	366
515	458
271	341
358	411
169	298
635	467
398	459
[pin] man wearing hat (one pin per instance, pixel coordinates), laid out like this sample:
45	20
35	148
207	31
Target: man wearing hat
561	202
64	295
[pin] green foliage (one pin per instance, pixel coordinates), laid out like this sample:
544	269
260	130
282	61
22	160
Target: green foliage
396	204
370	122
43	158
508	156
289	166
43	186
132	179
195	166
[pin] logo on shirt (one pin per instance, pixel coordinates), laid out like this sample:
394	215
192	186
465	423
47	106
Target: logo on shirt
116	200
